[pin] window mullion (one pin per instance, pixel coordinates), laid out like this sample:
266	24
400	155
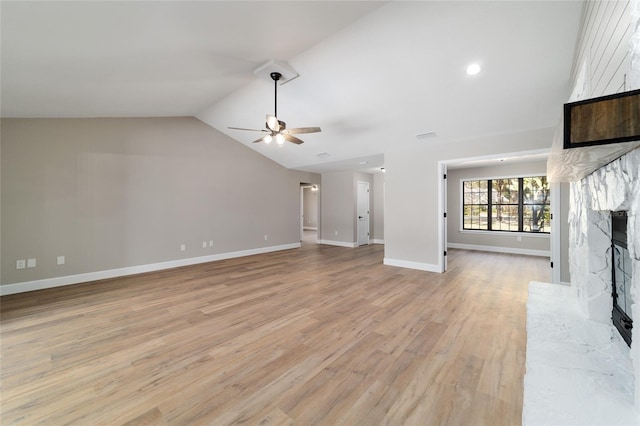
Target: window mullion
520	204
489	204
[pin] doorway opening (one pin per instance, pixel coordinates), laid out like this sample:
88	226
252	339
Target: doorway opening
450	222
309	212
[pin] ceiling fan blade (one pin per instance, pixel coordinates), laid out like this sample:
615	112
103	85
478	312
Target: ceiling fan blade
259	139
250	130
272	123
304	130
293	139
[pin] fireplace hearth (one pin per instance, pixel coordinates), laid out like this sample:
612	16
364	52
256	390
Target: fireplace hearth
621	276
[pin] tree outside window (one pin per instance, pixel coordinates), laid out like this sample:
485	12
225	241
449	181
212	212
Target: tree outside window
509	204
536	210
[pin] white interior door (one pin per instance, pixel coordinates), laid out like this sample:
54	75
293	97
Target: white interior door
444	216
302	213
363	213
442	219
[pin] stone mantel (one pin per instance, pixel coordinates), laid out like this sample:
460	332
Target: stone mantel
571	165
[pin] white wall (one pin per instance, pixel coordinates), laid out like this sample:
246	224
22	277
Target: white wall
603	54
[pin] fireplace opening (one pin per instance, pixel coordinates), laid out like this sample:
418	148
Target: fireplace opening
621	276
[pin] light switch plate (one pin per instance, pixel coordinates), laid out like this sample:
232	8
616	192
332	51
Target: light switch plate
31	263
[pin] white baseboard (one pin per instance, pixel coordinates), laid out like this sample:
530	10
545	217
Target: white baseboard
377	241
510	250
412	265
338	243
22	287
310	228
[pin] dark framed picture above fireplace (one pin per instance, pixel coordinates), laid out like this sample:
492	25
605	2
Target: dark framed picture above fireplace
603	120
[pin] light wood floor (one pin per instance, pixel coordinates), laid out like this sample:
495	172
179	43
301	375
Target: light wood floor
317	335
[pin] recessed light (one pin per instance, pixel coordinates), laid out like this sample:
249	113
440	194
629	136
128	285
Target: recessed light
473	69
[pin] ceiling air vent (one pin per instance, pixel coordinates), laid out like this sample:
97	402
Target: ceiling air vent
287	73
322	155
426	135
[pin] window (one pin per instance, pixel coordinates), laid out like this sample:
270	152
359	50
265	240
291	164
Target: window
509	204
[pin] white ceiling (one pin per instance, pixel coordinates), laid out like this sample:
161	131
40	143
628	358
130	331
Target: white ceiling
372	74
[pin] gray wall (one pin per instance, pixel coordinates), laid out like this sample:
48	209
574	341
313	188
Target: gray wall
378	206
338	206
411	189
113	193
538	242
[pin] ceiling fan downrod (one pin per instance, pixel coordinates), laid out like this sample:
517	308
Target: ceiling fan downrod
275	76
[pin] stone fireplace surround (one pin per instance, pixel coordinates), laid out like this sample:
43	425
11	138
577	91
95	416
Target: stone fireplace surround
613	187
579	370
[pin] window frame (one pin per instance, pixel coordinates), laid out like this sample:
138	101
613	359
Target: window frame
522	204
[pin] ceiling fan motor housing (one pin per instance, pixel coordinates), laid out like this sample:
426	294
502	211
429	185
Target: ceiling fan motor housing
279	130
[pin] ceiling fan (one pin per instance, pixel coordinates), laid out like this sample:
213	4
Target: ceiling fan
277	129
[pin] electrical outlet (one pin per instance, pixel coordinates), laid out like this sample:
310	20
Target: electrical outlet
210	243
183	247
60	260
21	264
266	237
31	263
336	233
519	238
204	244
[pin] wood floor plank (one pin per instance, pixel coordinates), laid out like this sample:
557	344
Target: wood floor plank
317	335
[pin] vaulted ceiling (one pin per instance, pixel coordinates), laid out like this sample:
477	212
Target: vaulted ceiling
373	75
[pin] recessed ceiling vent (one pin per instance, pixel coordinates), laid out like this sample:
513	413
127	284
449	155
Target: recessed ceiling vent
426	135
322	155
287	73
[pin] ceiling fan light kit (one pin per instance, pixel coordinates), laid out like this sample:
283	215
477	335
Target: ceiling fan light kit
277	129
